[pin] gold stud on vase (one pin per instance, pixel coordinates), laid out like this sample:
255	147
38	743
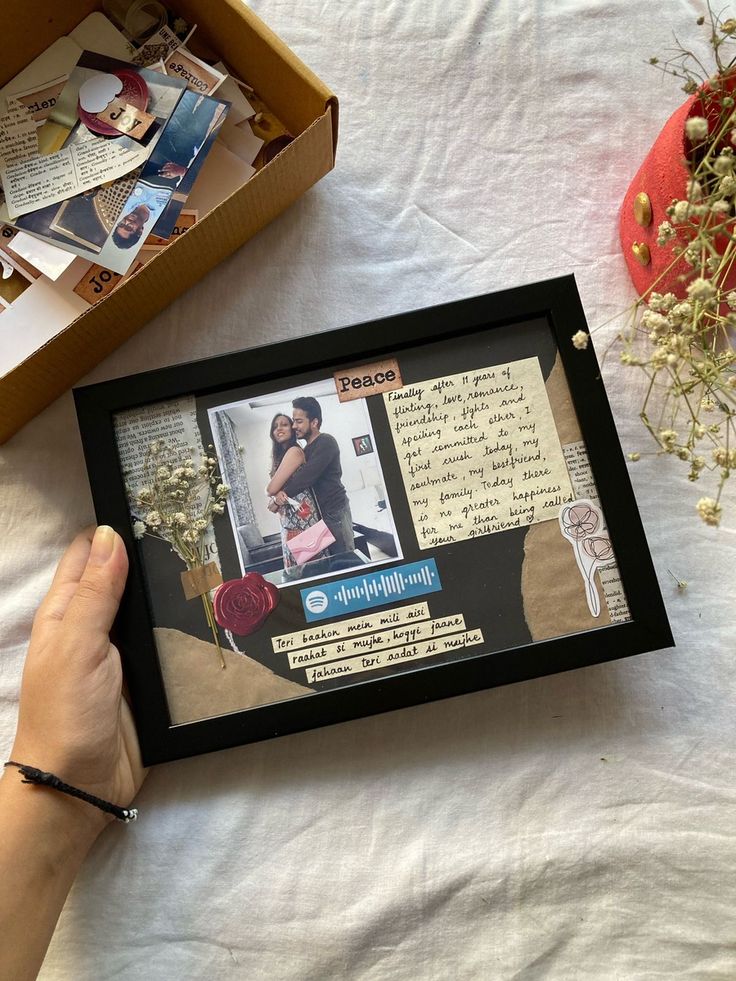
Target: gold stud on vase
643	209
641	251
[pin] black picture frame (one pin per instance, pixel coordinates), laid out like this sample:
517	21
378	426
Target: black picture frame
555	303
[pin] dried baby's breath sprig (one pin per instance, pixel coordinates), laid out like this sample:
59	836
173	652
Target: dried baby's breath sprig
681	583
685	343
178	499
177	502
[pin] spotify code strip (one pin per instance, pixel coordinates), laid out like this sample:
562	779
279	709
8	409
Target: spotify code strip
374	589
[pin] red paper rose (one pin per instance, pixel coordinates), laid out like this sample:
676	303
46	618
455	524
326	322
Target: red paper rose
243	605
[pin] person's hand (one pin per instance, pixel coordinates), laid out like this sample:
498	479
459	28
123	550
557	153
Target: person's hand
281	498
273	506
74	723
171	169
73	720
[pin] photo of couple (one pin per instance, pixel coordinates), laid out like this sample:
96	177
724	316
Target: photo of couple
303	503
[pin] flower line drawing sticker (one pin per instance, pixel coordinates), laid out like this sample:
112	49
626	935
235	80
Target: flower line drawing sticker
579	522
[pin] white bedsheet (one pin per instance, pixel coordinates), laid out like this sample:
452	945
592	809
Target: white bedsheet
577	826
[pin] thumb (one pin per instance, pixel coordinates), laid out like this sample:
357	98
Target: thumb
92	608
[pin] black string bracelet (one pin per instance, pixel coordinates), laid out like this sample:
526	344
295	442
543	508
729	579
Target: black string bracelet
43	779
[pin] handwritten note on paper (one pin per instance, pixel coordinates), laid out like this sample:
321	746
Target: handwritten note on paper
479	452
390	658
374	641
383	640
349	628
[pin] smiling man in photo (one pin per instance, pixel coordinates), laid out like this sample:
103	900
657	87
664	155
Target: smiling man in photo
130	227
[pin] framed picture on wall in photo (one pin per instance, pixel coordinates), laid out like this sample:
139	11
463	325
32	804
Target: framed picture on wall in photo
362	444
439	507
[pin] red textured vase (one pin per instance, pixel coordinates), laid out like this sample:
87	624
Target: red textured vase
662	178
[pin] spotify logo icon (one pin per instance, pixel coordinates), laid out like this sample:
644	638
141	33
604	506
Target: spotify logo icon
316	601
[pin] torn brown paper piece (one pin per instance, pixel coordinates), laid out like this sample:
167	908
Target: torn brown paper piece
552	591
197	688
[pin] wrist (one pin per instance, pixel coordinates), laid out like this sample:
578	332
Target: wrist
45	838
63	826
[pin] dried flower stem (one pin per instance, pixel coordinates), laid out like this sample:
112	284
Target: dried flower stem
177	504
684	342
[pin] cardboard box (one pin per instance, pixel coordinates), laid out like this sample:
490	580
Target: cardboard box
296	96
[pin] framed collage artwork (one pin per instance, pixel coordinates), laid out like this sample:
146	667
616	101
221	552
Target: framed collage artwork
368	518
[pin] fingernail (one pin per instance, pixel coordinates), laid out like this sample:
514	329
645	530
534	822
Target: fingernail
102	545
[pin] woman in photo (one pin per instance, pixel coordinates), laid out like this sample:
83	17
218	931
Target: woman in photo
301	511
